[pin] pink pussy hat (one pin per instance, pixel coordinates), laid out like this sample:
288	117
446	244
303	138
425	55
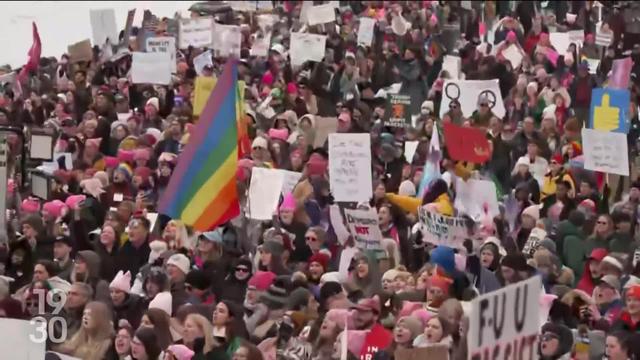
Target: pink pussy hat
288	203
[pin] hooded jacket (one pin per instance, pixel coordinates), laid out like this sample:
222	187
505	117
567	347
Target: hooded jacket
573	253
131	309
100	287
232	288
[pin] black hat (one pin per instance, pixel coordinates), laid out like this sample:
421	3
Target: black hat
276	295
329	289
198	279
64	239
517	262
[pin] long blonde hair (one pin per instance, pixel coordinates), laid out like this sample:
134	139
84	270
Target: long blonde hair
207	329
92	344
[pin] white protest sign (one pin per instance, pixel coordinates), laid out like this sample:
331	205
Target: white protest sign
452	64
513	54
350	167
603	38
289	180
25	335
264	193
576	36
304	10
151	68
103	26
506	321
196	32
261	45
226	40
605	151
560	41
410	148
593	65
337	222
163	44
305	47
467	93
363	225
473	195
266	22
442	230
365	31
321	14
243	5
202	60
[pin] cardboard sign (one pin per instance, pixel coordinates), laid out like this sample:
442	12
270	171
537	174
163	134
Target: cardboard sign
323	127
466	143
397	112
80	51
608	111
151	68
363	225
103	26
163	44
264	193
506	321
467	93
226	40
321	14
350	167
442	230
452	64
560	41
365	31
605	151
196	32
203	87
513	54
307	47
473	195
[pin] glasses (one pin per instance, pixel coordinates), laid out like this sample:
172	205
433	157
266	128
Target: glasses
242	269
310	238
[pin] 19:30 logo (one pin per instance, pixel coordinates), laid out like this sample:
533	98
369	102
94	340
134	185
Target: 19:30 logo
49	326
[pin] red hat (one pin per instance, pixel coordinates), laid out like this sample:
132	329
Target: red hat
558	159
144	172
634	292
441	282
261	280
321	259
370	304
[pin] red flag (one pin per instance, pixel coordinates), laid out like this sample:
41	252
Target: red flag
34	55
466	143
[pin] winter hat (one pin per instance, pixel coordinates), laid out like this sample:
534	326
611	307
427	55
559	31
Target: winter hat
444	257
564	335
121	282
111	162
162	301
278	134
144	173
511	36
198	279
321	259
55	208
126	156
613	261
180	352
157	248
273	247
332	276
414	325
74	201
215	236
92	187
440	282
154	101
288	203
30	205
407	188
533	211
298	298
492	240
125	170
141	154
180	261
292	88
260	142
103	177
152	136
261	280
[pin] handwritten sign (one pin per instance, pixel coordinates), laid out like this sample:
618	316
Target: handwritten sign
226	40
365	31
151	68
289	180
505	322
80	51
264	192
513	54
397	111
350	167
201	61
163	44
605	151
196	32
473	195
321	14
467	93
363	225
307	47
442	230
103	26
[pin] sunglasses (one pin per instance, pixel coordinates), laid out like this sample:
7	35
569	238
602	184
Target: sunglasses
242	269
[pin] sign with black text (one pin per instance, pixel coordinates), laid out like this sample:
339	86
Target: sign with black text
363	225
398	112
442	230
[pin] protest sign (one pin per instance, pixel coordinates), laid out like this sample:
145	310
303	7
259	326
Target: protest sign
163	44
505	322
323	127
196	32
442	230
226	40
620	73
304	10
560	41
29	336
201	61
261	44
473	195
365	31
467	93
410	148
266	22
80	51
103	26
609	109
605	151
603	37
337	223
466	143
513	54
452	64
593	64
264	192
202	89
151	68
289	180
397	112
346	255
576	36
306	47
363	225
321	14
350	167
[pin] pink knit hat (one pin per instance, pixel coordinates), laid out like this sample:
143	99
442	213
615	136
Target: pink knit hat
288	203
267	78
111	162
181	352
121	282
55	208
292	88
74	201
30	205
261	280
511	36
141	154
279	134
126	156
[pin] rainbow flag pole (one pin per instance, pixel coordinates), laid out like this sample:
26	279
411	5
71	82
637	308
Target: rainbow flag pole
202	188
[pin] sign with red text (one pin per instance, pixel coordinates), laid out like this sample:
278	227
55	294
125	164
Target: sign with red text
363	226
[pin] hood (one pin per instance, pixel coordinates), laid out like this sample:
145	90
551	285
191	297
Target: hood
566	228
93	262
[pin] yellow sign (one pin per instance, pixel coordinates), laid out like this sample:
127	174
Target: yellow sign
605	117
203	87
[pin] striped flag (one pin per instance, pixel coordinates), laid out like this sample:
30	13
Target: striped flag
432	165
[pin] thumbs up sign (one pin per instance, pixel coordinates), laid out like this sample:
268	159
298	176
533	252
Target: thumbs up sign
605	117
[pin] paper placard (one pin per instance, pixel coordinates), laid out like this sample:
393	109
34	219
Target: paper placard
398	111
350	167
163	44
365	31
345	261
452	64
472	196
203	87
321	14
608	109
307	47
202	60
467	93
266	22
226	40
513	54
196	32
80	51
410	148
560	41
337	223
605	151
19	337
103	26
593	65
363	225
261	45
323	127
442	230
576	36
151	68
508	317
264	193
289	180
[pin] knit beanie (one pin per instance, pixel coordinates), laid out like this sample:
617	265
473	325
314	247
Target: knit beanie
261	280
181	352
55	208
414	325
122	282
180	261
162	301
198	279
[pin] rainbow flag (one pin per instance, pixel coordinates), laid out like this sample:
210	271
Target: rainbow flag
202	188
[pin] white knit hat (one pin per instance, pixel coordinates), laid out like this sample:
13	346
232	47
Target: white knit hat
121	282
155	102
180	261
157	248
407	188
163	302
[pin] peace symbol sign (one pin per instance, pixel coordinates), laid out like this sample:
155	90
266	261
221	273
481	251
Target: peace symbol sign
490	96
452	91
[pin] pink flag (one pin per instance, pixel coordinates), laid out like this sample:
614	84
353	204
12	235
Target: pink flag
620	73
